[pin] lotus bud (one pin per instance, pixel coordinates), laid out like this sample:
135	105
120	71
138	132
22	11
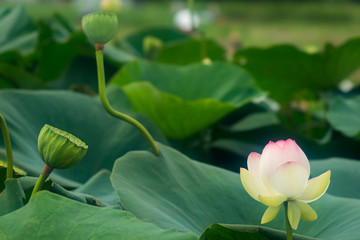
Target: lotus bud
59	149
206	61
100	27
152	45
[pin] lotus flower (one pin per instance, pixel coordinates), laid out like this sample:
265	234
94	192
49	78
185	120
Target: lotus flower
280	175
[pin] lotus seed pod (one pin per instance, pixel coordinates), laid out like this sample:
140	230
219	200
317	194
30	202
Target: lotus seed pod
152	45
59	149
100	27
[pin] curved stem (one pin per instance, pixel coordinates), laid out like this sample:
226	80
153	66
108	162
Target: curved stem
42	178
288	226
9	156
113	112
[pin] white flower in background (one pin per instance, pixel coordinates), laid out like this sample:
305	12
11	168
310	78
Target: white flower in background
280	174
183	20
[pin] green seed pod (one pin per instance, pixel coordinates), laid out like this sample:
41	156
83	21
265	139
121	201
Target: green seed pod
59	149
100	27
152	45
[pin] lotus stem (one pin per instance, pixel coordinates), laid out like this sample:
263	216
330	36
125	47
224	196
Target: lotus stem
288	226
9	155
41	180
112	111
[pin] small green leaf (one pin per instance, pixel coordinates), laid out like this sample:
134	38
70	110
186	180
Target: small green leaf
12	197
17	31
100	187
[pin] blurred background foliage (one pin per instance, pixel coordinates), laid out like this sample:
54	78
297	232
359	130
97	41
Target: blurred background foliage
253	23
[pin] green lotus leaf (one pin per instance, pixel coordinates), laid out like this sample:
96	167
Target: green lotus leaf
344	115
183	100
344	173
190	51
97	191
135	42
289	73
107	137
48	215
12	197
246	232
18	32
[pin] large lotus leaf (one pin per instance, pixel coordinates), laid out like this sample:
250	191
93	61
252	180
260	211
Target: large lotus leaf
175	117
190	51
50	216
344	115
345	175
108	138
246	232
17	31
288	73
183	100
134	43
174	191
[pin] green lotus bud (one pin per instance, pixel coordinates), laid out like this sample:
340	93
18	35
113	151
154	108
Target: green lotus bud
59	149
151	46
100	27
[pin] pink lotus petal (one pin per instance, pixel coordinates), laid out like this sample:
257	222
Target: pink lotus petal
253	163
293	153
280	143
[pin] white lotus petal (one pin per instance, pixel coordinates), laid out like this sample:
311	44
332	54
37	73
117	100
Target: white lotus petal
294	153
253	186
293	214
253	163
272	158
272	201
315	188
270	214
307	212
289	179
